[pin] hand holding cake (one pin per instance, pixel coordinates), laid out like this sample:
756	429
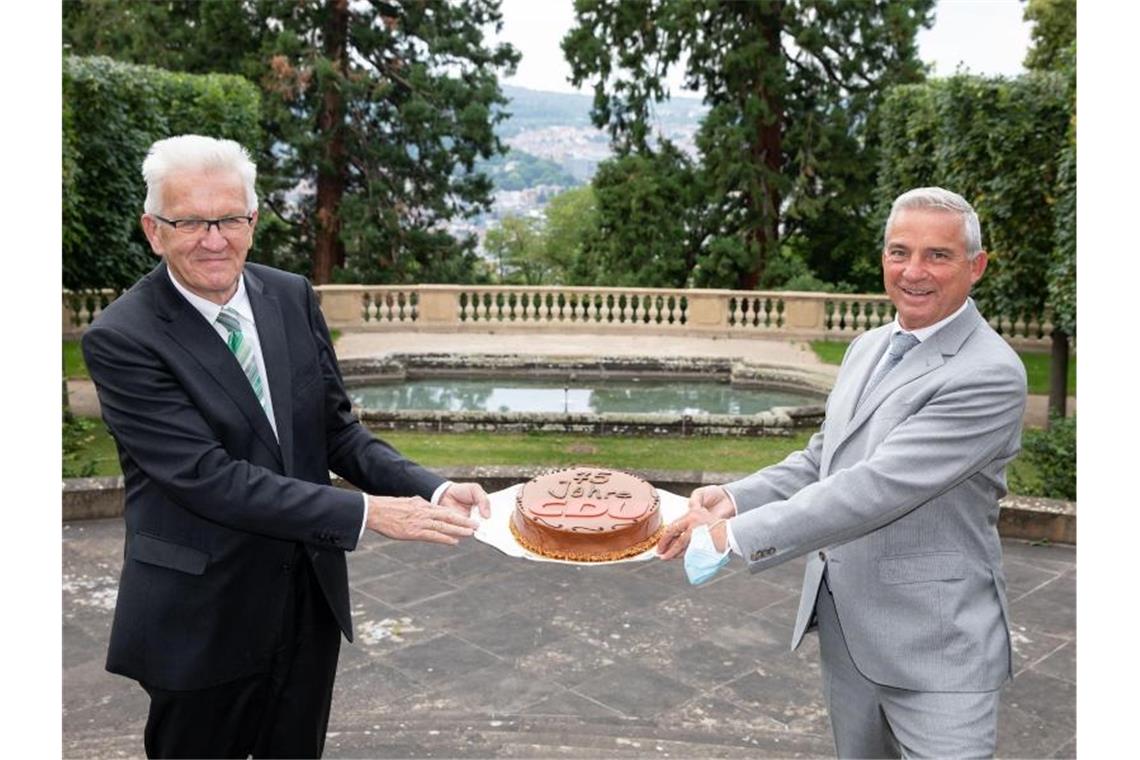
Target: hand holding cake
415	518
463	497
707	504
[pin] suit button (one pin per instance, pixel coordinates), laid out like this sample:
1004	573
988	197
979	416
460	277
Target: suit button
286	567
822	557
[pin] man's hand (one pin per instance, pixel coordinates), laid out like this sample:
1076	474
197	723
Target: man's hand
707	504
462	496
415	519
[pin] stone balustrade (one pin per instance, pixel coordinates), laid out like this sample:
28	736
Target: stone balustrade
483	308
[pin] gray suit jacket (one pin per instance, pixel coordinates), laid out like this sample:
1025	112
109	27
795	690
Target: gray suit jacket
900	494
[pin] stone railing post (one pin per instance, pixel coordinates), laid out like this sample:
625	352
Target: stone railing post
438	305
342	305
708	310
69	326
803	312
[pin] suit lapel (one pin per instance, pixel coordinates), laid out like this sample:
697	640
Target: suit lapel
186	327
862	364
275	352
923	358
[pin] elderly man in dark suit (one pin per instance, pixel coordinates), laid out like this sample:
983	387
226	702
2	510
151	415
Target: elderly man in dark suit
218	381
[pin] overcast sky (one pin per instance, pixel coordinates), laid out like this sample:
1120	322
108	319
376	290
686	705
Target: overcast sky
985	36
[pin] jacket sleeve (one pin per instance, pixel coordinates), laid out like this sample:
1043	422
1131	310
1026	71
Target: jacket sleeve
355	454
968	424
156	423
780	481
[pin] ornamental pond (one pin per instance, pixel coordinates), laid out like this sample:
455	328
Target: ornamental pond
578	396
599	395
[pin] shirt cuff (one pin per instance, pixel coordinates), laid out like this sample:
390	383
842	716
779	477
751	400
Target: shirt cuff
438	494
363	519
731	500
732	545
435	497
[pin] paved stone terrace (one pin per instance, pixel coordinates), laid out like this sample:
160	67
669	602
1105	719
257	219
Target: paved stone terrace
463	652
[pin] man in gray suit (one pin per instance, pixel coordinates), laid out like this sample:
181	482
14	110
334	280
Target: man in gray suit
895	499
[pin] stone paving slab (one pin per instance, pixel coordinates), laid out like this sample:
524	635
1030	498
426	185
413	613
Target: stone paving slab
464	652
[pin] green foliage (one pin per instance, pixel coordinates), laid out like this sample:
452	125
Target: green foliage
1054	34
996	142
571	220
789	270
1053	455
79	435
1062	275
518	170
517	247
548	250
416	84
197	36
647	223
112	113
375	140
73	364
788	147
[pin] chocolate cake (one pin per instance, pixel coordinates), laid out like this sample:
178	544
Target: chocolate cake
587	514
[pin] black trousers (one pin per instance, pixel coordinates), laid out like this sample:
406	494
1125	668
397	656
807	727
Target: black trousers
282	713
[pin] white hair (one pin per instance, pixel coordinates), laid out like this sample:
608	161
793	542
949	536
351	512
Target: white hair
195	153
939	199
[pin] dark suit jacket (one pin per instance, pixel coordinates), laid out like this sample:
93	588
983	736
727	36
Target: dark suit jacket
215	507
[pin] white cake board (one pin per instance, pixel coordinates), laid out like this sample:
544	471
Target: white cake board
495	531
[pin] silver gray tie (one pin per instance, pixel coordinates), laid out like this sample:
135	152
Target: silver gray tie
901	342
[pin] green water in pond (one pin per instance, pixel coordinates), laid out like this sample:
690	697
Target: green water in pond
585	396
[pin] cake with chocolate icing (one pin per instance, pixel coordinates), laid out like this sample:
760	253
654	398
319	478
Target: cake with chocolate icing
587	514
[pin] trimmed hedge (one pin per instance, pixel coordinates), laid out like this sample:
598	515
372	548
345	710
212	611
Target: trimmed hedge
997	142
112	113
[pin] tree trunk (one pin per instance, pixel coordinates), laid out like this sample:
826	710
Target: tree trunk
767	157
66	398
1059	374
328	250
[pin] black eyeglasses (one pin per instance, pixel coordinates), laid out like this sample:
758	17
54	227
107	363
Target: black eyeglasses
197	226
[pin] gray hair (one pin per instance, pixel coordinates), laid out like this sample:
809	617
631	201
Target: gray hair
195	153
939	199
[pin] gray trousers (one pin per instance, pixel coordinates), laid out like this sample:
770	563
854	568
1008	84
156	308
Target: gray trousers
871	720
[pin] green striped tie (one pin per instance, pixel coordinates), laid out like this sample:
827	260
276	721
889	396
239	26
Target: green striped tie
242	351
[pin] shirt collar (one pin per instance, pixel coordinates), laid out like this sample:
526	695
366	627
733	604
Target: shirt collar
923	333
209	310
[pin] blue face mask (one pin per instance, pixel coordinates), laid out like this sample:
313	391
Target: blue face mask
702	560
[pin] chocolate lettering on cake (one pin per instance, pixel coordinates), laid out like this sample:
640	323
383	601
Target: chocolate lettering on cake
580	496
587	514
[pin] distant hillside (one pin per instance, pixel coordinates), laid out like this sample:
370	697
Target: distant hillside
518	170
533	109
554	147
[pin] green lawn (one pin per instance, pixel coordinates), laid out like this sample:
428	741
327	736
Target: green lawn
541	449
1037	371
830	351
73	365
551	450
1036	364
